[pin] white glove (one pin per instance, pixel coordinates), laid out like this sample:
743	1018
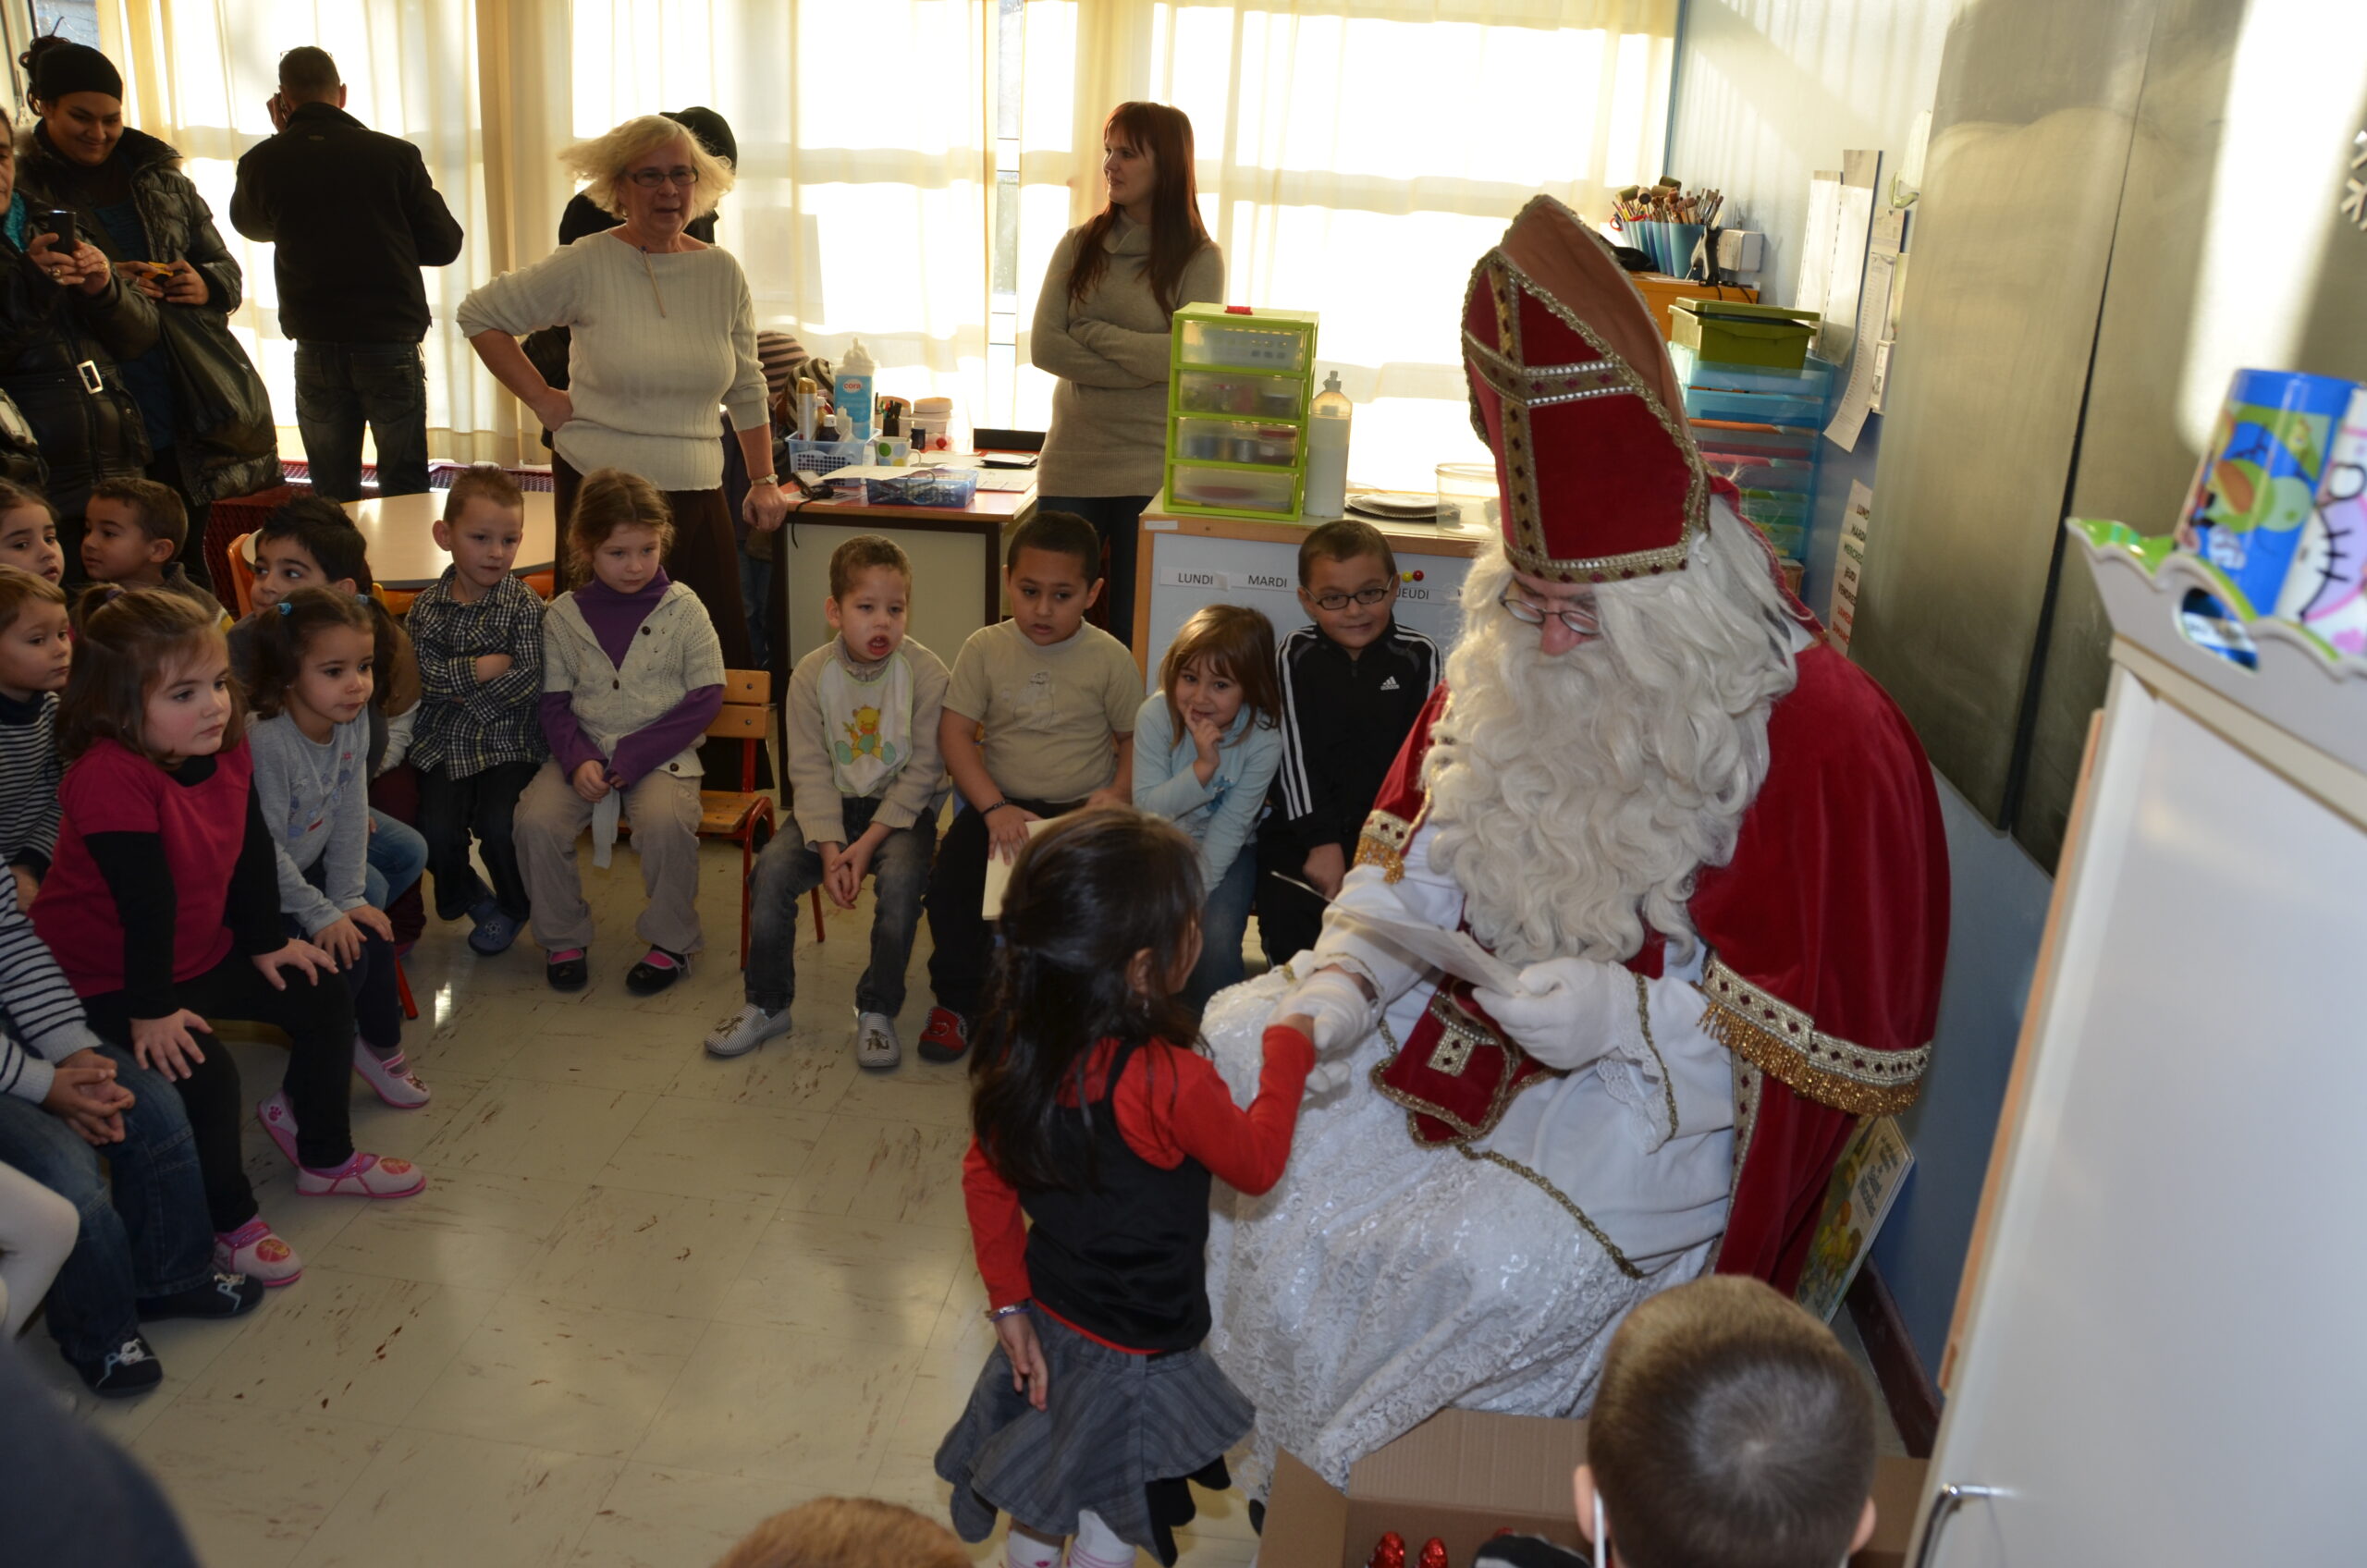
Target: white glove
1337	1002
1568	1012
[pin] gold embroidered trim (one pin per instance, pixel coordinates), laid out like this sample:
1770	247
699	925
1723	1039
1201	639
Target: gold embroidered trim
1785	1044
1609	1247
1417	1107
1383	842
1747	1085
1458	1037
1668	1084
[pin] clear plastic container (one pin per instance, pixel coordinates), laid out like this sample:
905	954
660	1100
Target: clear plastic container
1235	441
1244	348
1246	396
947	487
1234	490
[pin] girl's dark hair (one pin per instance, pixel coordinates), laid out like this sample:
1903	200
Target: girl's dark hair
1232	640
129	643
1176	232
13	495
1089	891
285	630
609	499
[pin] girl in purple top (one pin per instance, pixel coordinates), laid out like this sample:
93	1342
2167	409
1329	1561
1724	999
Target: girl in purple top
632	675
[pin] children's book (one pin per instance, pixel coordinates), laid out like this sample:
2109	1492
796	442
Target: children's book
1866	1182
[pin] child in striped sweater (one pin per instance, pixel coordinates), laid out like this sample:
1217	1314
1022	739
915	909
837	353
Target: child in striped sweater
34	657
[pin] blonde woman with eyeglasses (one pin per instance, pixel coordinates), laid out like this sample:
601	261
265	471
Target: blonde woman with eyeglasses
664	332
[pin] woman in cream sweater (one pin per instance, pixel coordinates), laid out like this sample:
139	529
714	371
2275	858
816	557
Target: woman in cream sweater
664	332
1102	326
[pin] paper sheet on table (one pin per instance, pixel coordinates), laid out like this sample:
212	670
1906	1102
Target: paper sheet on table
1455	951
998	875
604	812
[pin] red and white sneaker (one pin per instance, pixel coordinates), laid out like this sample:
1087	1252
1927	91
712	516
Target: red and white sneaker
363	1176
278	1119
255	1251
390	1075
945	1038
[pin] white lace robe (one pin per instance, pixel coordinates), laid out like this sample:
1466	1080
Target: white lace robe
1384	1280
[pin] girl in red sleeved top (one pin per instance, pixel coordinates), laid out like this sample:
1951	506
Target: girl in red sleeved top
1095	1135
162	907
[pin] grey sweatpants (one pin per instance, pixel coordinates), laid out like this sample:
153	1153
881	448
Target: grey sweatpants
664	813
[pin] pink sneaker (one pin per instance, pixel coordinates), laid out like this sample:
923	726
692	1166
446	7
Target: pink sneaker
253	1250
278	1119
363	1176
390	1075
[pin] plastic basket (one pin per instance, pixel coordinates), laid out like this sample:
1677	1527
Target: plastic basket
947	487
826	457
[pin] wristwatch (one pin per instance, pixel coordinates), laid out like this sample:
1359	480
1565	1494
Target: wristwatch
772	479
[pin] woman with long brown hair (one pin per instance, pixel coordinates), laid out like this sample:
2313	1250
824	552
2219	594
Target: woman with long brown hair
1102	324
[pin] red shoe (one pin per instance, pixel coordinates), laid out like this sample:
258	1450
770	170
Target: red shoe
945	1038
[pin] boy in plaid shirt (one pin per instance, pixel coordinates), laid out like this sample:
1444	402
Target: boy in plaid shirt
478	633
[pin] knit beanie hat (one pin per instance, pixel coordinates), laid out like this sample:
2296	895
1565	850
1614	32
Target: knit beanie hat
58	68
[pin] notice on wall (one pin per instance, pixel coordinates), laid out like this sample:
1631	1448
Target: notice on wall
1853	226
1873	312
1849	565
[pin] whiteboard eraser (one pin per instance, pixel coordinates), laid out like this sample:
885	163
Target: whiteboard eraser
1740	250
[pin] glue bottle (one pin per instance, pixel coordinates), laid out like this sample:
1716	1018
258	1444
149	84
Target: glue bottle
852	389
1326	492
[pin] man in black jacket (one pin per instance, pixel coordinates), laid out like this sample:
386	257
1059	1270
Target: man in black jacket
354	216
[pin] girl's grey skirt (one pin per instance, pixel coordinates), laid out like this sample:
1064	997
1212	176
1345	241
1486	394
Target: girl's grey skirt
1119	1435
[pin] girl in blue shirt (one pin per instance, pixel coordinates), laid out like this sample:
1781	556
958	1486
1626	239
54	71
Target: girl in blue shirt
1206	744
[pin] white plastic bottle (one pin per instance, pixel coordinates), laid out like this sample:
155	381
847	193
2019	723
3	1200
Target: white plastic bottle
851	392
1327	451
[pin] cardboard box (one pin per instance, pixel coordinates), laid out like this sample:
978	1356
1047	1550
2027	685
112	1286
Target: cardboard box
1462	1476
1732	333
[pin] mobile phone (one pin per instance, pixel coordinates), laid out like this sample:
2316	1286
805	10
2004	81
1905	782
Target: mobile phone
60	222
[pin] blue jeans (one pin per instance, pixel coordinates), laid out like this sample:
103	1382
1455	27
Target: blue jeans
788	869
1223	920
150	1238
398	854
342	386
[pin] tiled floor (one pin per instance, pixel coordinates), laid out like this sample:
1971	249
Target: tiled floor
647	1299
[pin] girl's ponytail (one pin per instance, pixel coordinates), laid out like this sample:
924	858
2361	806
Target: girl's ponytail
282	634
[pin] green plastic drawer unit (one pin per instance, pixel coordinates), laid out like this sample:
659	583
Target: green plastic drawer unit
1238	386
1731	332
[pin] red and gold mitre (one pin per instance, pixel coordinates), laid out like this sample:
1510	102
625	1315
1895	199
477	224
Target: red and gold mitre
1572	388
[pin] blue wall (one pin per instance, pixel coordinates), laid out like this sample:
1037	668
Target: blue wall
1766	91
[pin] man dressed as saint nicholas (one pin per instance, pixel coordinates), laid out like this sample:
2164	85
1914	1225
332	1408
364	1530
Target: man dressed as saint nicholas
1706	844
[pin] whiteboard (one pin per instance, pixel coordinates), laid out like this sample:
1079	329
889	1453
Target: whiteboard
1189	571
2160	1362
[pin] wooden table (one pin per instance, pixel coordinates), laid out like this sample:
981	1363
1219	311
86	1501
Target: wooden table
956	568
404	555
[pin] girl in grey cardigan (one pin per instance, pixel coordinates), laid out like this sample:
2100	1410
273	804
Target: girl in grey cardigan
312	677
1101	325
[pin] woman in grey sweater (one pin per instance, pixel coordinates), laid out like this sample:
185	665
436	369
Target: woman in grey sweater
664	332
1102	324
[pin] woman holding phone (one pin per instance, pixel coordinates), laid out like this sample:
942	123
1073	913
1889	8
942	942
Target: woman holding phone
1102	324
207	412
65	323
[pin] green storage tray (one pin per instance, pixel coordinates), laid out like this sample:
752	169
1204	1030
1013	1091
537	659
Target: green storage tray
1731	332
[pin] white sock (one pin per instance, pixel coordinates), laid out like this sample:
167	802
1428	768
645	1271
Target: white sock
1026	1551
1096	1545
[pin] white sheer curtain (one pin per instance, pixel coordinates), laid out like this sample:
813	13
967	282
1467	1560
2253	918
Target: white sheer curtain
1356	158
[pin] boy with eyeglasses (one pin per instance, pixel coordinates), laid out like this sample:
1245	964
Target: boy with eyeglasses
1353	683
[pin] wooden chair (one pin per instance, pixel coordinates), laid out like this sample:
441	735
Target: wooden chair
242	574
745	814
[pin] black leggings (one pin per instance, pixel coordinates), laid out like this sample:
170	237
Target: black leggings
318	1018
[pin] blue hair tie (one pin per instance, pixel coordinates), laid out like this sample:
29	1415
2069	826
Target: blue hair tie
285	607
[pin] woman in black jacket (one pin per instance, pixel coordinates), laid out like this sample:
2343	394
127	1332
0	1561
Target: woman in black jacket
66	320
207	414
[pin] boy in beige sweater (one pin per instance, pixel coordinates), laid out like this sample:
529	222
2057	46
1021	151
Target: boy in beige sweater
866	777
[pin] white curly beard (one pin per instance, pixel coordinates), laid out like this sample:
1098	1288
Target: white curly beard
1575	798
